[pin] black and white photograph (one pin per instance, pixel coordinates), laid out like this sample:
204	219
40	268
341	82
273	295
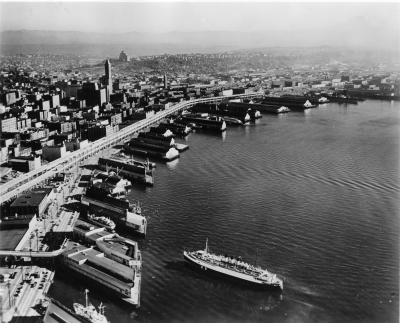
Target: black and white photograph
199	161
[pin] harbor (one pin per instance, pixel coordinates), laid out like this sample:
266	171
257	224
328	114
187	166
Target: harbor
199	163
91	238
243	221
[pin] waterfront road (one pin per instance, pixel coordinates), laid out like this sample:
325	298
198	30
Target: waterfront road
26	181
33	292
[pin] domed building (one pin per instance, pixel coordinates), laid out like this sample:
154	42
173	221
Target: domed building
123	57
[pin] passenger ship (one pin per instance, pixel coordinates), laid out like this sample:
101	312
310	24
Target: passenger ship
234	268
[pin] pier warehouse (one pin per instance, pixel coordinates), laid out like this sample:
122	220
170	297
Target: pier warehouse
115	247
137	171
94	264
119	210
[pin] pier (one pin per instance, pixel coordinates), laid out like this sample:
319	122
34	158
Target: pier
26	181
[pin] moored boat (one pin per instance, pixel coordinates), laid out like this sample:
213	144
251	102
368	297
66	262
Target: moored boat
102	221
89	312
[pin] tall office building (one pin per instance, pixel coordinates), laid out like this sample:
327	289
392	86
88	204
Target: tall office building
165	81
108	79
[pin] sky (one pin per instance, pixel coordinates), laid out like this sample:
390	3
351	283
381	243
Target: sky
197	16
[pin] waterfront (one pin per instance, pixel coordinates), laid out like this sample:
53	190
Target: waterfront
316	193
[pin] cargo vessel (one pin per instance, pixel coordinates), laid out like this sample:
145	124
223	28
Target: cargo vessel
89	312
233	268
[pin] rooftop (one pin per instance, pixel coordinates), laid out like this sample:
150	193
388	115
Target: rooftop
119	245
96	259
32	198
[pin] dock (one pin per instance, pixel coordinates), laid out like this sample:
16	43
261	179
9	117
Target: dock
138	172
144	147
92	263
214	124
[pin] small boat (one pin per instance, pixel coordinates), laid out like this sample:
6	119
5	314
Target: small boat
283	109
89	312
102	221
308	105
233	268
323	100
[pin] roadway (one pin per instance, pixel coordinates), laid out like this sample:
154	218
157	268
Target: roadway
27	289
26	181
33	292
33	254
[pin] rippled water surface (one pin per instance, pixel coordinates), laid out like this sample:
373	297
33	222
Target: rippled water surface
313	196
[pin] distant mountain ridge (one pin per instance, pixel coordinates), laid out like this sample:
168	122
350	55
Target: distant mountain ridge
21	37
355	37
145	43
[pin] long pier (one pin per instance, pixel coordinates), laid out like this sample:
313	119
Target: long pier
26	181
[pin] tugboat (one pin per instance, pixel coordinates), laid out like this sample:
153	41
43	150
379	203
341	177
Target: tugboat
232	267
89	312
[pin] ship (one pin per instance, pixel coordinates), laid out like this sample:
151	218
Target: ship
232	268
102	221
89	312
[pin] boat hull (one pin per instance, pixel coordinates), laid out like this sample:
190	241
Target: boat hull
211	270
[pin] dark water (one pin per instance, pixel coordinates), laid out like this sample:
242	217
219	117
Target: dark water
316	193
